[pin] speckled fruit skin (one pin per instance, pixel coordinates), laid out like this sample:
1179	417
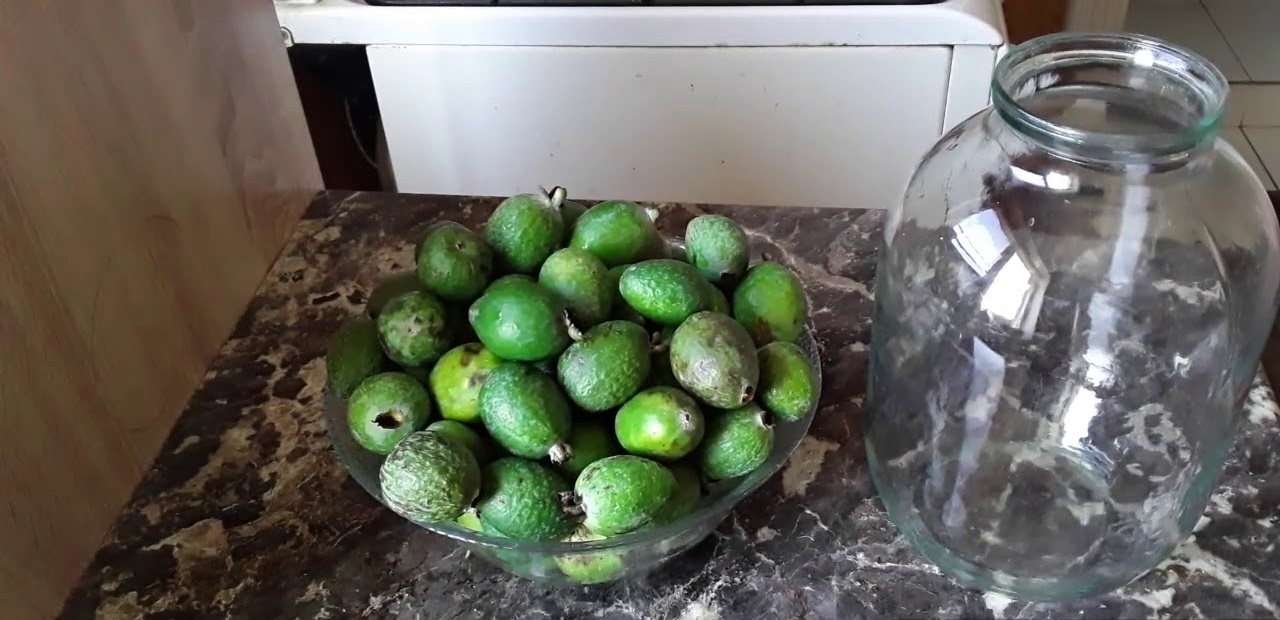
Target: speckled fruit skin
354	354
456	379
684	499
788	382
592	440
523	500
770	302
620	494
661	423
454	263
525	411
718	248
414	329
621	310
582	281
429	479
587	568
713	358
390	288
520	320
606	367
465	435
664	290
736	443
399	398
523	231
617	232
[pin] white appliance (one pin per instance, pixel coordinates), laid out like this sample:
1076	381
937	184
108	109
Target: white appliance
799	105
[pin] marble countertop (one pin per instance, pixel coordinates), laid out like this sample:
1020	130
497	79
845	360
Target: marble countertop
247	513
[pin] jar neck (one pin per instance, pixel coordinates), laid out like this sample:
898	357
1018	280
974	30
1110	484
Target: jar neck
1110	98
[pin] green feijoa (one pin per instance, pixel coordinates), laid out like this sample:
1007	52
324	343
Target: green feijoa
664	290
582	282
520	320
684	499
621	310
456	379
618	232
591	440
788	382
718	248
414	329
524	499
661	423
469	520
771	304
619	494
525	229
603	369
511	278
454	263
390	288
385	408
736	443
354	354
713	358
591	566
465	435
526	412
429	479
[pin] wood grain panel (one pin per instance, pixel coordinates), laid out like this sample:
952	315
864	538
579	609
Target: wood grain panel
153	157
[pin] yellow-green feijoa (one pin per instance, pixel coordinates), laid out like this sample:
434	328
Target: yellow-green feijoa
684	499
622	493
664	290
454	263
520	320
414	329
526	412
606	367
525	229
525	500
713	358
591	441
788	382
465	435
718	248
354	354
456	379
582	281
591	566
390	288
385	408
428	478
617	232
736	443
661	423
770	302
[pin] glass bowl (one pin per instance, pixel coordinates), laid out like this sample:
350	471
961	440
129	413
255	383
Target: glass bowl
598	561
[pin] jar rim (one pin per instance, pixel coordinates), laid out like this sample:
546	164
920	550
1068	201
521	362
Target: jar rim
1030	66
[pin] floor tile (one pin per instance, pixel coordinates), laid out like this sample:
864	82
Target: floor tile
1186	22
1250	28
1266	143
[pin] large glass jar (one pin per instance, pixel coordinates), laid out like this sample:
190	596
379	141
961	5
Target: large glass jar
1070	306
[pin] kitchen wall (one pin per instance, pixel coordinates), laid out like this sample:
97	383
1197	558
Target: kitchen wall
153	158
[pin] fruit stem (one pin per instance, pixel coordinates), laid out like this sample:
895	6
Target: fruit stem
575	334
556	196
560	453
570	503
656	345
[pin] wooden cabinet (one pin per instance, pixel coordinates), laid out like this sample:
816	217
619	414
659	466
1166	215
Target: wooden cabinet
153	158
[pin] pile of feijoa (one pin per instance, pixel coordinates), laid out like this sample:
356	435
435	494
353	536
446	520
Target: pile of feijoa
568	375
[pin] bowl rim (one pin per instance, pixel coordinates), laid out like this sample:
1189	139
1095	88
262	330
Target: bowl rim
720	507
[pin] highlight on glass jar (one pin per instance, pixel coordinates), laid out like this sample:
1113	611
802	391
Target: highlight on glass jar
1070	306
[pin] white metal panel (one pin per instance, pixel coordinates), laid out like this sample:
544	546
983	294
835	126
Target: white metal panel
969	84
953	22
801	126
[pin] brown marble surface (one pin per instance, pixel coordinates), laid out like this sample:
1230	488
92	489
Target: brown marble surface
246	513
